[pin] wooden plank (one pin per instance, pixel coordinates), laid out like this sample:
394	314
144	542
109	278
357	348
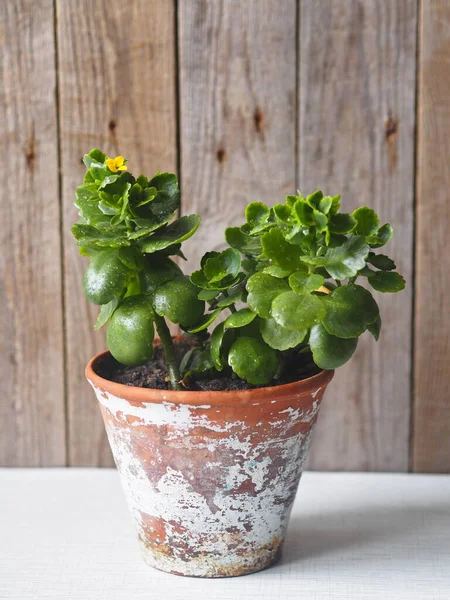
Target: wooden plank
356	138
431	430
117	92
31	325
238	111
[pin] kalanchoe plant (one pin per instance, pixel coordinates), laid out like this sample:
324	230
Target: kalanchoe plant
128	229
295	267
287	279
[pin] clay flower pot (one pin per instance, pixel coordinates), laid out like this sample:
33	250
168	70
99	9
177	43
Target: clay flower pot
210	477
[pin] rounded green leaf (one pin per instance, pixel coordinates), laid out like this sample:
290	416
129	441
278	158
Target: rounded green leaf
257	213
130	331
350	309
105	278
367	221
330	352
177	300
225	264
302	283
253	360
157	272
262	289
240	318
279	251
279	337
176	232
297	312
387	281
341	223
381	261
381	237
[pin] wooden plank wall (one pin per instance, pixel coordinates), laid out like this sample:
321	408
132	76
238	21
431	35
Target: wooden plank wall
247	101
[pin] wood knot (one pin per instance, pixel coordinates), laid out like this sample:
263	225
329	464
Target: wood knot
30	153
390	128
258	120
30	157
221	155
112	126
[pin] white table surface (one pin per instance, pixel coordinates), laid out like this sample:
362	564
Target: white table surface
66	534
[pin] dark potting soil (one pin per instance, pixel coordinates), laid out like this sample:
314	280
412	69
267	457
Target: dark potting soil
153	374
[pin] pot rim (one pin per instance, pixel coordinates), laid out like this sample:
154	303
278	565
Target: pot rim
138	396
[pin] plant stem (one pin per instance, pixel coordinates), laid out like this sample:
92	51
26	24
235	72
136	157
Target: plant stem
169	352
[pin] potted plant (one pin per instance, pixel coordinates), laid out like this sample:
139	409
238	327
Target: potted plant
210	432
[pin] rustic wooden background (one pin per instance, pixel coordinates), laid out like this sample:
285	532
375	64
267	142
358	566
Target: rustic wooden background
246	100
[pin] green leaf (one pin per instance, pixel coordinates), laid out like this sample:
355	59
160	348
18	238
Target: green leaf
232	296
87	235
350	309
240	318
253	360
279	337
314	199
381	261
302	283
225	264
131	258
367	221
280	273
381	237
166	182
330	352
343	261
297	312
207	295
216	345
262	289
375	328
387	281
283	213
321	221
205	321
106	312
335	204
341	223
325	205
94	156
157	272
279	251
177	300
304	213
176	232
257	213
246	244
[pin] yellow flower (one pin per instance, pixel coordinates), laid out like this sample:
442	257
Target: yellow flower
116	164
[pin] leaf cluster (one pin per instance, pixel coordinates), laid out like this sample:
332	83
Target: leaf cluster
294	266
129	230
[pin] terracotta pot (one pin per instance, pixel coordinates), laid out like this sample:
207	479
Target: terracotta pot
210	477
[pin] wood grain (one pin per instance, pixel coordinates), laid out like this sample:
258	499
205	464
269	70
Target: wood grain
238	111
356	137
431	425
31	326
117	92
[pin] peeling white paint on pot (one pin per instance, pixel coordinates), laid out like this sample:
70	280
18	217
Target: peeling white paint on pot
210	483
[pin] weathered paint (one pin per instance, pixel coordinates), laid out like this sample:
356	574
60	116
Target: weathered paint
210	484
